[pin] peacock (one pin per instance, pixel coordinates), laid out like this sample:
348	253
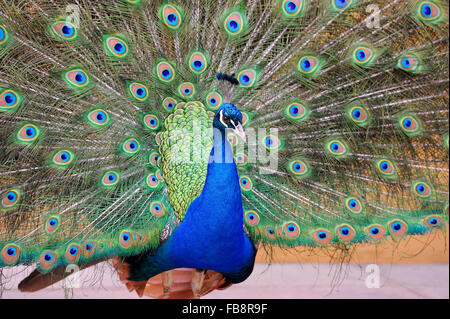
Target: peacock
176	138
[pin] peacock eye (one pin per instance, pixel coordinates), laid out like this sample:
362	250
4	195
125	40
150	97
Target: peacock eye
226	119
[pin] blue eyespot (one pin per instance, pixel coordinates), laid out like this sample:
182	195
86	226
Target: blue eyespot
291	228
11	251
270	231
11	196
133	146
233	25
197	65
119	48
420	188
426	10
112	177
345	231
170	105
48	257
335	146
212	101
294	110
306	65
353	203
187	91
356	114
433	221
166	73
269	141
341	3
73	251
140	92
244	79
89	246
407	123
374	230
406	63
101	116
2	34
384	165
10	98
251	216
290	7
53	222
80	78
396	226
360	55
67	30
297	167
322	235
125	237
172	19
64	157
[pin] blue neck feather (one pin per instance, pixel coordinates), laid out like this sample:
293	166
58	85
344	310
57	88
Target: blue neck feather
211	235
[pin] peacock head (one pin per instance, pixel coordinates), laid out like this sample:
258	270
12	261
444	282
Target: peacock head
229	117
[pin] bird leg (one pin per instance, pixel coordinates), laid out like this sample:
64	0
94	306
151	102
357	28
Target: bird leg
198	275
167	281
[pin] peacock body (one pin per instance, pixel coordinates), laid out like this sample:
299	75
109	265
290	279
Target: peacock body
122	131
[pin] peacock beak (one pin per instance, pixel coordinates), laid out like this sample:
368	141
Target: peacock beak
239	130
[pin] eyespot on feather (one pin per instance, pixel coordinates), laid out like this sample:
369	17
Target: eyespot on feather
422	189
291	230
169	103
433	221
309	65
269	232
165	72
198	62
126	239
354	205
398	228
386	168
376	232
98	118
10	254
410	125
11	198
110	178
10	100
251	218
297	111
52	224
247	78
157	209
430	12
72	254
138	91
64	30
63	158
345	233
171	16
88	249
116	46
76	78
214	100
323	237
186	90
292	8
234	23
47	260
154	158
4	35
131	146
246	183
337	148
151	122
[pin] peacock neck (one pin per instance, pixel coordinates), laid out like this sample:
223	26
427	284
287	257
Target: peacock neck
222	187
